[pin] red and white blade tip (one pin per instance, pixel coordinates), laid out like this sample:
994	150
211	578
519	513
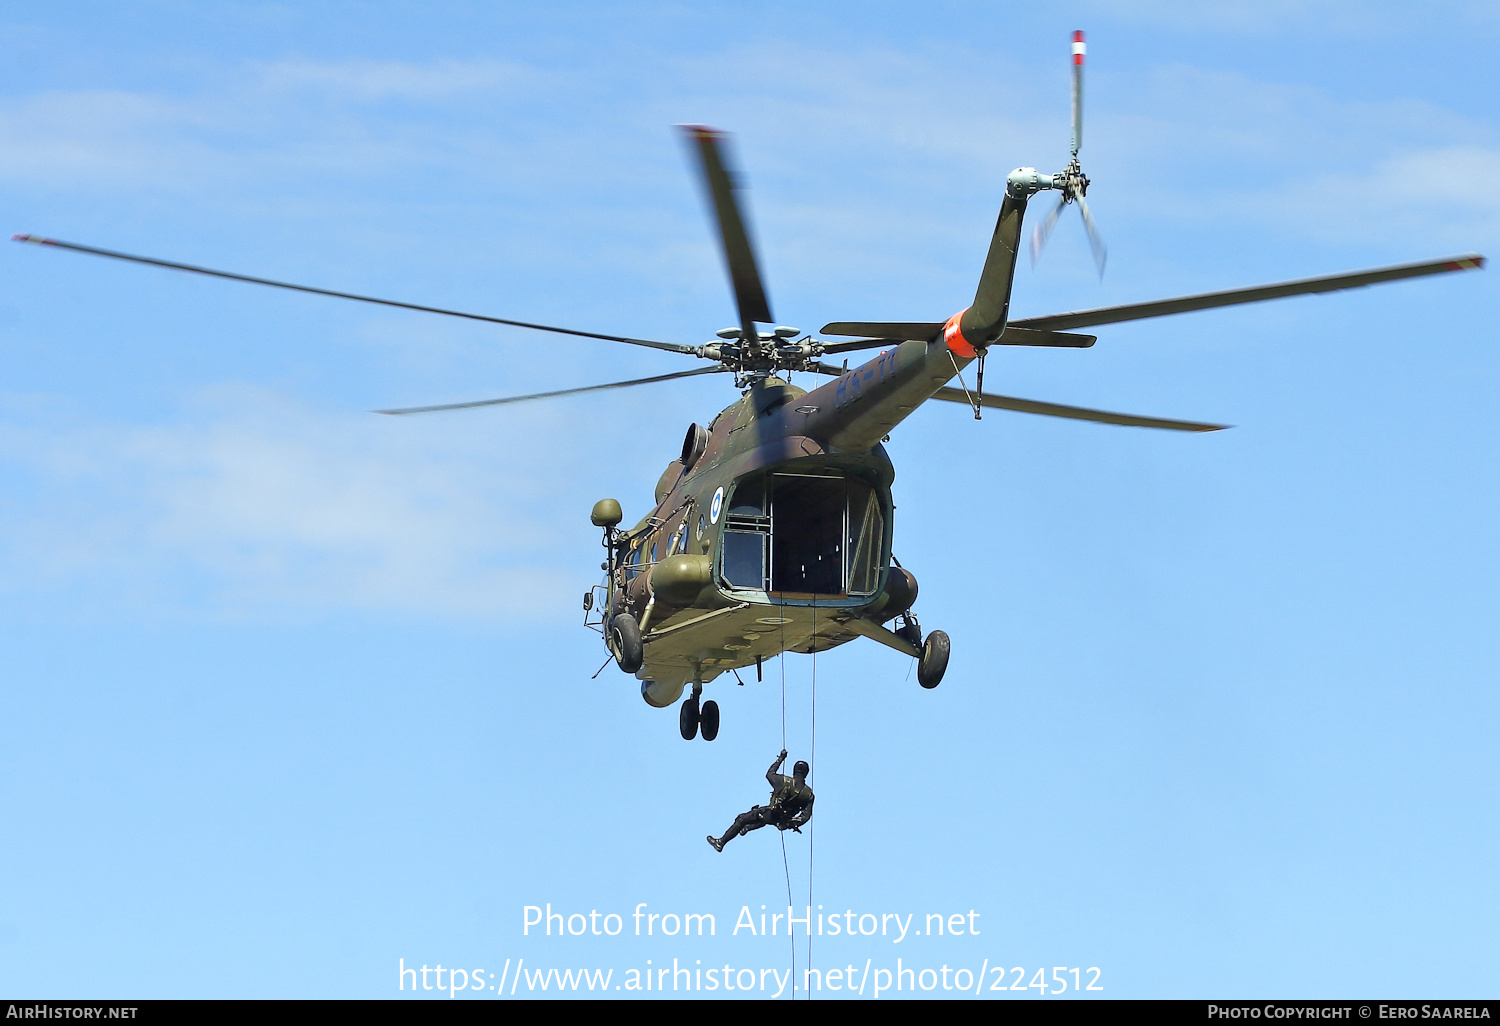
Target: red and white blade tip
1078	47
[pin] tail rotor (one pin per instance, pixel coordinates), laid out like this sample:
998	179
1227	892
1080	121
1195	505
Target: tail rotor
1072	183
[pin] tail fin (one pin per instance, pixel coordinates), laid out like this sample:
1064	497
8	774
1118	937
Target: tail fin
984	321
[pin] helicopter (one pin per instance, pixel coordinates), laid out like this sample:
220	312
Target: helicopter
772	529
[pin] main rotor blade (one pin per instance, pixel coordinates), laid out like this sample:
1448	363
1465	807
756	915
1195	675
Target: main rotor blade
739	254
1096	241
671	347
1255	294
553	395
1004	402
921	331
864	343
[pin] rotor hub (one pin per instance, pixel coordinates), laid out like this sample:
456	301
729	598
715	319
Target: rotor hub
770	352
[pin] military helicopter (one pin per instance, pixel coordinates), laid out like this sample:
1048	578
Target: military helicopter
771	531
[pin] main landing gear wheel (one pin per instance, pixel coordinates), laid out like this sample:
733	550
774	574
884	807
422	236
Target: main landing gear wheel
934	661
687	719
708	720
625	642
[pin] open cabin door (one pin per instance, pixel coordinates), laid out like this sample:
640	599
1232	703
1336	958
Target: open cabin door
803	536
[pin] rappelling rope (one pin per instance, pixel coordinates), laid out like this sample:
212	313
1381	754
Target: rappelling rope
781	615
785	866
812	757
790	935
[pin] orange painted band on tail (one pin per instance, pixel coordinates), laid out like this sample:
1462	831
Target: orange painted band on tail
955	340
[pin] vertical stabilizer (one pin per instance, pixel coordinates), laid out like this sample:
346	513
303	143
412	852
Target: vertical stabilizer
983	321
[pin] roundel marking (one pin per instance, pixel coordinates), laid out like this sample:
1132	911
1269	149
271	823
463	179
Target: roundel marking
716	507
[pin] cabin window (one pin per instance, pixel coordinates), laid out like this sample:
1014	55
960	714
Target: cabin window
749	499
866	537
747	533
804	535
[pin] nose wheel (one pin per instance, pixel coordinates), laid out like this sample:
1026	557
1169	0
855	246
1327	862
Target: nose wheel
693	719
625	644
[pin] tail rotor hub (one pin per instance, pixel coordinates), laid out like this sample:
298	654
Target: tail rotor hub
1075	184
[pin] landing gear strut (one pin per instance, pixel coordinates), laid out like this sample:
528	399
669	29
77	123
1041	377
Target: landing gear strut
691	718
933	662
909	630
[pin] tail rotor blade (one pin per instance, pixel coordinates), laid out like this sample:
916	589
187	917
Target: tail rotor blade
1096	241
1078	49
1044	229
739	254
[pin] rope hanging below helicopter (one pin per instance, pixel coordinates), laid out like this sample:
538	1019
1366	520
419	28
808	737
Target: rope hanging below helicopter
812	753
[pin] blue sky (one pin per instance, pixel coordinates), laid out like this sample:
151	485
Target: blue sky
294	692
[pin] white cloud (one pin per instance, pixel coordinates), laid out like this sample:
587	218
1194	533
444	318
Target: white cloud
1446	196
255	504
252	124
384	80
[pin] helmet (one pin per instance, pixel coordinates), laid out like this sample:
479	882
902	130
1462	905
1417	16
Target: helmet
800	769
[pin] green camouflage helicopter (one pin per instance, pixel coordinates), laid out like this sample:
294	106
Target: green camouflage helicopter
772	530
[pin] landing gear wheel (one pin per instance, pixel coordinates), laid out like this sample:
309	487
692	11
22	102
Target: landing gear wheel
625	642
687	719
708	720
934	661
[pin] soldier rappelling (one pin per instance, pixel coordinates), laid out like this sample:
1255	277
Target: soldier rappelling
790	808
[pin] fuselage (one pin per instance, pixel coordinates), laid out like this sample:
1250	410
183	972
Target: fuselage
780	531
